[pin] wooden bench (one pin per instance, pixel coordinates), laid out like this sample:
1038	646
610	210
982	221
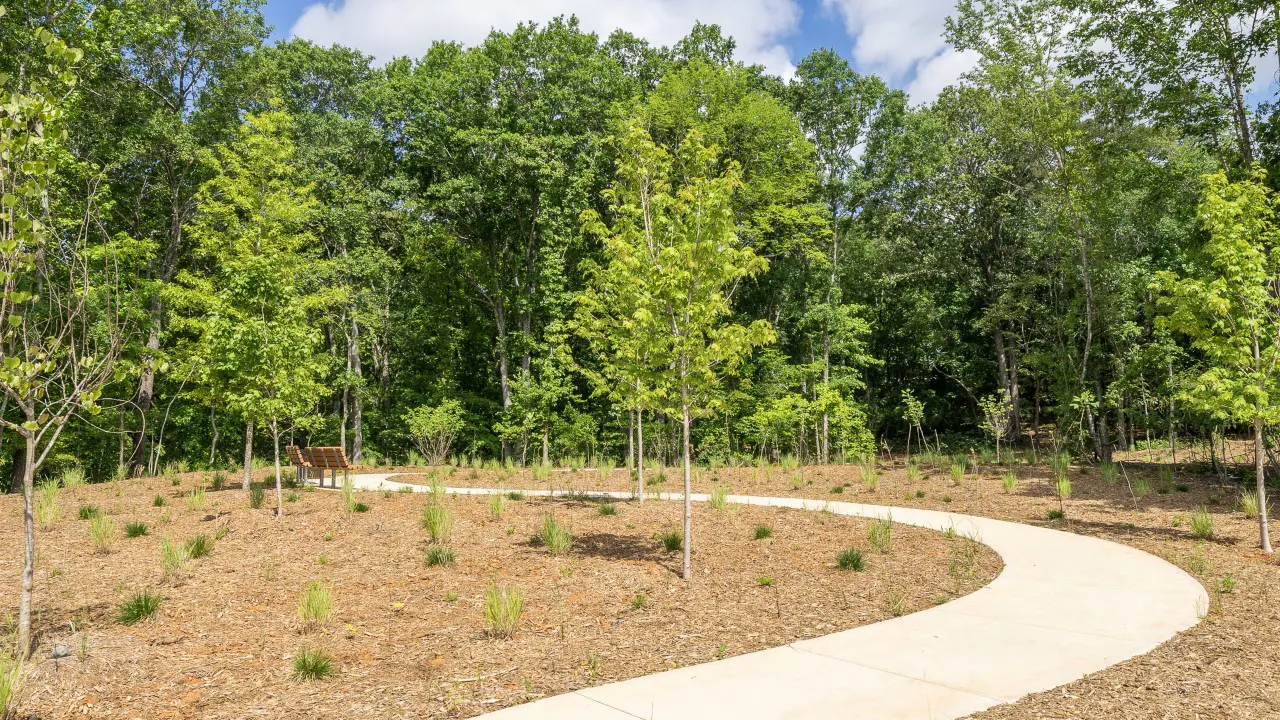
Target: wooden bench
298	460
327	458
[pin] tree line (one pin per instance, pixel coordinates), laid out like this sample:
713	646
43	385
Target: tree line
580	245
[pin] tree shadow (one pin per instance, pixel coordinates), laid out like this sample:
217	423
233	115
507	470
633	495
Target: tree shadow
622	547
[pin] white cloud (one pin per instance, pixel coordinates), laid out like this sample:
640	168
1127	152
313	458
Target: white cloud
388	28
901	40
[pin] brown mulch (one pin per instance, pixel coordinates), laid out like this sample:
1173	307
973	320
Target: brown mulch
408	639
1225	667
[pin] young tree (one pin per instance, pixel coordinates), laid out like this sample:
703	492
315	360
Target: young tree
995	416
60	333
1231	312
433	428
258	341
680	278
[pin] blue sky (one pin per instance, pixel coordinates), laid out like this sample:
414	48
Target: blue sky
898	39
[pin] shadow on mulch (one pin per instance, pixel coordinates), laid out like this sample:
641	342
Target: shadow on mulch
1102	529
622	547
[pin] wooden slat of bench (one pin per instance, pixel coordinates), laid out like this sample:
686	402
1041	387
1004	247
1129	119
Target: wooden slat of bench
328	458
296	456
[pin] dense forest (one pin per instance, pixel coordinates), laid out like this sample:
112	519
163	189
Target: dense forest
214	244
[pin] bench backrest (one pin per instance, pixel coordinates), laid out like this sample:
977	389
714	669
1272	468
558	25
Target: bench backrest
296	456
328	458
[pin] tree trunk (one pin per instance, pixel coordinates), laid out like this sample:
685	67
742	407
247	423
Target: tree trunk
357	396
640	456
546	444
275	446
29	545
213	442
504	367
248	456
1259	470
688	490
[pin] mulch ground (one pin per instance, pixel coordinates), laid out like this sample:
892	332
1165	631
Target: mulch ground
409	640
1225	667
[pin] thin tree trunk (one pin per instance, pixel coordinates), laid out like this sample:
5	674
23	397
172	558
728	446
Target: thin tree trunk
640	456
29	546
357	397
546	444
248	456
213	442
688	490
275	446
1259	470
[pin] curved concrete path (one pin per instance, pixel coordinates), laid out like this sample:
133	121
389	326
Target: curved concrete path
1064	606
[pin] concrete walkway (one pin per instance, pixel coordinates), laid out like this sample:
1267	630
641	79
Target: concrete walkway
1064	606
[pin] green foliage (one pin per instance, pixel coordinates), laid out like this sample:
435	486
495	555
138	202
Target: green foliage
11	680
103	533
672	540
135	529
198	546
257	496
718	498
437	521
173	559
1009	481
88	512
1202	524
640	602
555	536
880	534
46	504
607	509
434	427
497	506
138	607
440	556
761	532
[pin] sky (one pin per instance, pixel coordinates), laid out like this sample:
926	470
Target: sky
900	40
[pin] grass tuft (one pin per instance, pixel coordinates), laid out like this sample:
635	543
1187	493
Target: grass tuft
437	521
640	602
135	529
173	559
503	608
1009	481
11	671
198	546
102	531
672	540
719	498
850	559
311	665
138	607
315	605
1249	505
157	501
88	512
761	532
497	506
440	556
556	537
1202	524
880	534
607	509
257	496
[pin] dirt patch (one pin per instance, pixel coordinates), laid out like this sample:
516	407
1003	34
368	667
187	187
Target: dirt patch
409	640
1222	668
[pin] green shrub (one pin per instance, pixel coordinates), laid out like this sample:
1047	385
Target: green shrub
957	472
761	532
157	501
135	529
437	521
198	546
88	512
607	508
1202	524
640	602
72	478
257	496
515	495
440	556
871	478
219	481
850	559
311	665
764	581
315	605
1227	585
880	534
138	607
196	499
1141	488
102	531
837	490
1056	514
554	536
913	472
672	540
503	608
1249	503
1009	481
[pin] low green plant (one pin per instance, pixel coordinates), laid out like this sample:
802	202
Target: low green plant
315	604
913	472
158	501
957	472
199	546
719	498
640	602
173	559
196	499
515	495
1227	585
348	494
503	608
1141	487
311	665
102	531
880	534
837	490
88	512
437	521
1202	524
139	607
1056	514
555	536
672	540
219	481
1166	475
764	581
607	508
46	503
761	532
1008	481
1110	472
1249	503
72	478
497	506
135	529
11	676
850	559
440	556
871	478
897	598
541	473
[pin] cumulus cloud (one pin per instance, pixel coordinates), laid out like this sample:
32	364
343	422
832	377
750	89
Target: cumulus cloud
902	41
388	28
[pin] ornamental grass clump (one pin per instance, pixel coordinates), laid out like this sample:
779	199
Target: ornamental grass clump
437	521
311	665
555	536
850	559
47	504
138	607
102	531
1202	524
315	605
503	608
719	498
880	534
